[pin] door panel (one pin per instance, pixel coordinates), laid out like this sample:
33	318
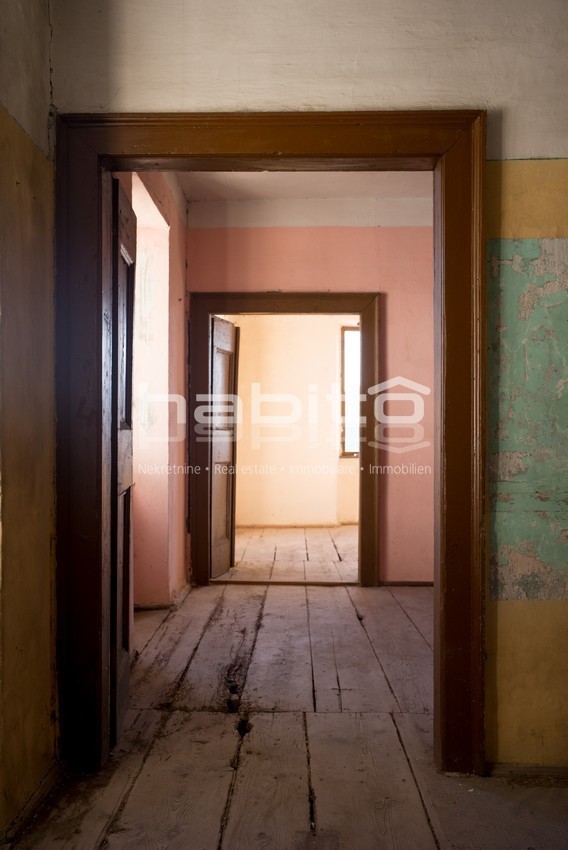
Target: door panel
124	250
223	433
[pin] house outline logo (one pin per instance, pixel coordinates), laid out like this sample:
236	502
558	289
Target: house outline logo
411	423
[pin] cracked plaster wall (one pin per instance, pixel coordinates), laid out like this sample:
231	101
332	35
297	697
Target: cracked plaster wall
527	603
528	415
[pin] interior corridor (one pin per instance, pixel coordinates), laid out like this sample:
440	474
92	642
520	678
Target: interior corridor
289	718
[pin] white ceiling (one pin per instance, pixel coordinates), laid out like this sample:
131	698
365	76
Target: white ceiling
272	185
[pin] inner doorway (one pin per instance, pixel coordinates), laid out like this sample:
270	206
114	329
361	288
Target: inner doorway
296	471
363	308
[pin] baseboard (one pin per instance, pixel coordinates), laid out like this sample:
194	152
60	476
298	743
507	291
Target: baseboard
29	808
407	584
530	774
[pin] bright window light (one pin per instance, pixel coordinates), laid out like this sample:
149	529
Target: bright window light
350	390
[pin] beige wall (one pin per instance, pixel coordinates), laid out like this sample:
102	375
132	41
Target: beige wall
25	47
293	475
509	57
27	387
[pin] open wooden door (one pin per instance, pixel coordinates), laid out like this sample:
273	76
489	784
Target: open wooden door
124	255
224	351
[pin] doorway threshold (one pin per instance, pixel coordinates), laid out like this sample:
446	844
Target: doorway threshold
227	578
323	555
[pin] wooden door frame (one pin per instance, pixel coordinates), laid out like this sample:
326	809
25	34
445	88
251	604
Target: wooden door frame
205	305
89	147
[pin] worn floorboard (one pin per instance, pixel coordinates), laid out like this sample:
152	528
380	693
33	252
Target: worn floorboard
217	672
272	779
280	673
411	599
261	545
348	571
81	809
472	813
249	572
290	544
405	656
363	787
290	555
289	571
267	771
346	541
243	536
320	545
146	624
347	674
321	571
179	797
157	671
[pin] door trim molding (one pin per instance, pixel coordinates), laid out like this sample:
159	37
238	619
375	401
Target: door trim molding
202	307
449	143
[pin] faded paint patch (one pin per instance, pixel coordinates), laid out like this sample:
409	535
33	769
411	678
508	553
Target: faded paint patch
529	548
528	416
529	300
522	575
505	466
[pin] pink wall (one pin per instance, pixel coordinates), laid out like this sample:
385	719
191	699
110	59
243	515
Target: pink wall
150	378
397	262
175	569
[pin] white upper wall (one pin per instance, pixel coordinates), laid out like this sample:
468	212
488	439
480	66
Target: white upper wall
309	199
313	212
508	56
24	66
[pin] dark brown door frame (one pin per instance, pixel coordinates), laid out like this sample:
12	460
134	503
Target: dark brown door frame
89	147
205	305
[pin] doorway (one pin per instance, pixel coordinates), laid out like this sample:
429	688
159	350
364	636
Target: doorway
365	306
449	143
296	489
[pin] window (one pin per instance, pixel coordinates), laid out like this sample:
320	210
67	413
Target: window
350	390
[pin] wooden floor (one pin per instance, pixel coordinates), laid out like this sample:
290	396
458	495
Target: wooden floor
325	555
287	718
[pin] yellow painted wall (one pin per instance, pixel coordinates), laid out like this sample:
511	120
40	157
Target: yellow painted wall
527	639
27	386
526	199
527	682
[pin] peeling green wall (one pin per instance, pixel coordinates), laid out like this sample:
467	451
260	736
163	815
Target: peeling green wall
528	418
